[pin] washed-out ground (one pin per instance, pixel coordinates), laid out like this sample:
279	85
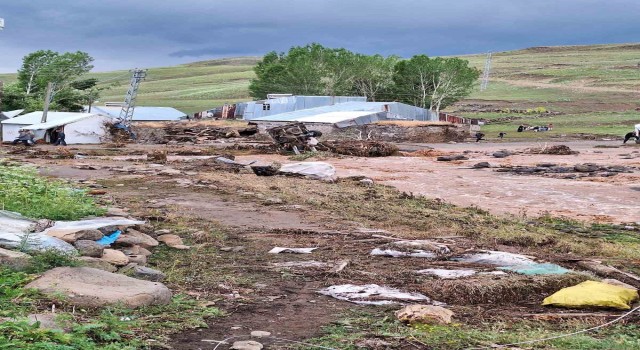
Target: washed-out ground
232	219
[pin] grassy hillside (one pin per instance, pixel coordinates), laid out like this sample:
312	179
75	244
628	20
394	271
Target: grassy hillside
596	88
190	87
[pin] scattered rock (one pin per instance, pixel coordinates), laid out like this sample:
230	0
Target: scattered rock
148	274
115	257
136	250
138	259
546	165
72	237
452	158
246	345
366	182
170	172
586	168
88	287
273	200
107	230
134	237
482	165
260	334
501	154
14	259
97	264
426	314
163	232
173	241
89	248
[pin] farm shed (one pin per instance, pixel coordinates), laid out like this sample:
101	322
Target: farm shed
78	127
273	106
10	114
348	114
142	113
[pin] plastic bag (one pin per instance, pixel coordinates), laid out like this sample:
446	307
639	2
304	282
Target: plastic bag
590	294
537	269
313	170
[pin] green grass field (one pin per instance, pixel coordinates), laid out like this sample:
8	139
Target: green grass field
597	87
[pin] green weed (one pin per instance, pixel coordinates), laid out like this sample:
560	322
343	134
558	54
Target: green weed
22	190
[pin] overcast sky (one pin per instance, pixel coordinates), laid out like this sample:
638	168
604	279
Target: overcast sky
123	34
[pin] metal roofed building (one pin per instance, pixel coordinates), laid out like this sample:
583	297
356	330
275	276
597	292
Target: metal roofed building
78	127
142	113
10	114
348	114
258	109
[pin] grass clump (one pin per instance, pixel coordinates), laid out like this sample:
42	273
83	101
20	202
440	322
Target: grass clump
22	190
360	331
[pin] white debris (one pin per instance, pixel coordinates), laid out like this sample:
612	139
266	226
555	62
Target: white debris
455	274
14	232
371	294
314	170
448	274
397	253
496	258
278	250
304	264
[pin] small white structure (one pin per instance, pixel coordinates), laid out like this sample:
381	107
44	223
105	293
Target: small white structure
10	114
142	113
78	127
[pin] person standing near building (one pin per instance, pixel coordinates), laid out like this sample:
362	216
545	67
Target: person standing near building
61	137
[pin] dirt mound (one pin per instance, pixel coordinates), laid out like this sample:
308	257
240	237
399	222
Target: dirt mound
361	148
500	290
562	150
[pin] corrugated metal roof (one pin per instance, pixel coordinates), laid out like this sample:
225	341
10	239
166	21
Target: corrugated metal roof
60	121
10	114
258	109
371	107
36	117
142	113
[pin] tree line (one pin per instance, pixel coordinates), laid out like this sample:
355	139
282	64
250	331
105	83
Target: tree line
422	81
63	70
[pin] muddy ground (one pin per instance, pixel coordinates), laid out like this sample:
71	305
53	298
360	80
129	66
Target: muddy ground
233	219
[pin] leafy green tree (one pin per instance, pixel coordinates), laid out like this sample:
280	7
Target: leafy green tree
373	76
307	70
63	70
433	83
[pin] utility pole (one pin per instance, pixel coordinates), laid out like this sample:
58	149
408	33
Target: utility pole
126	114
47	102
485	73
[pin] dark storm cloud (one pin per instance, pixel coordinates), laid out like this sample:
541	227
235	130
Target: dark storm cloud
143	33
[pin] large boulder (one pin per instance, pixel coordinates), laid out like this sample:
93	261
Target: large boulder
14	259
426	314
88	287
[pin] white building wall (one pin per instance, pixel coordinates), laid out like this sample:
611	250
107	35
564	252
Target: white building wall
90	130
10	132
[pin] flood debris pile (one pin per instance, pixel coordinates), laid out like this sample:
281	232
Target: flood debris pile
568	172
359	148
554	150
184	133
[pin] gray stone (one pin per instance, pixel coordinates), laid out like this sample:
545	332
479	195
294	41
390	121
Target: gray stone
247	345
481	165
134	237
97	264
117	212
138	259
260	334
501	154
451	158
14	259
87	287
586	168
89	248
107	230
90	235
114	257
162	232
148	274
366	182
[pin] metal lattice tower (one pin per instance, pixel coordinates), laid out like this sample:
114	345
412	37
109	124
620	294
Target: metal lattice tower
126	114
485	73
